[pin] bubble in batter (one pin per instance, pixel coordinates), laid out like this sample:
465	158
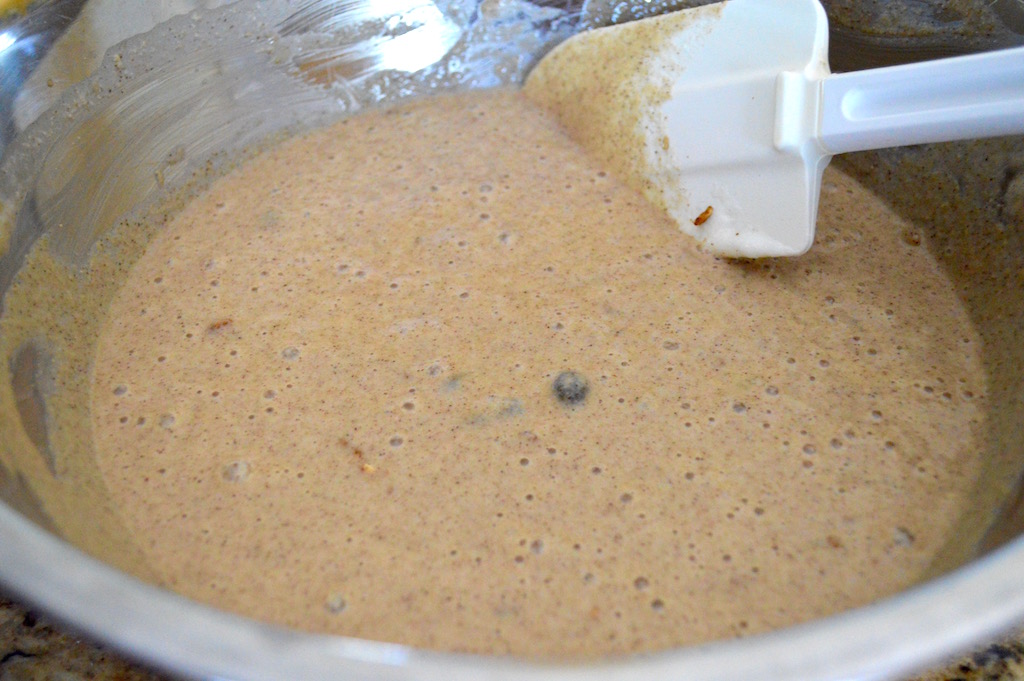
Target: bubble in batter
570	387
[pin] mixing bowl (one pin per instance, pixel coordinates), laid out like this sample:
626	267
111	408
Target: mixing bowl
109	107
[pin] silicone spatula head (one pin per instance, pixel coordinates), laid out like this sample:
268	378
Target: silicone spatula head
686	108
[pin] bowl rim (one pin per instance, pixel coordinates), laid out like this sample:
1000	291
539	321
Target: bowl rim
902	634
895	636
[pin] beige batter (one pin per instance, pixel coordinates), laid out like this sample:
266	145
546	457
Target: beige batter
324	398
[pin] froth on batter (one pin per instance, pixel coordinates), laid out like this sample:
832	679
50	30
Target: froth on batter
433	376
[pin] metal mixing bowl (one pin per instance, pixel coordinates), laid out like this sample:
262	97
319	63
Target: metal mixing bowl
93	129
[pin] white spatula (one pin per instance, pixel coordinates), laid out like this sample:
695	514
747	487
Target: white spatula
726	115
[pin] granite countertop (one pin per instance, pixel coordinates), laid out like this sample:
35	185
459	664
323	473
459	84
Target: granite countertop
33	648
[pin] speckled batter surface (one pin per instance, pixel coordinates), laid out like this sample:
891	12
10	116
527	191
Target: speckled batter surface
324	397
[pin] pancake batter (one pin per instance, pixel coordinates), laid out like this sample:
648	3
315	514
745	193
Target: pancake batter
433	376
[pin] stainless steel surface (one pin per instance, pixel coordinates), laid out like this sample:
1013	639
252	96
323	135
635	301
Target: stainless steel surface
23	44
156	109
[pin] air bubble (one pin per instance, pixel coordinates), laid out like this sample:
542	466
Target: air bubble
537	546
570	387
641	583
236	471
739	407
396	441
335	604
166	421
903	537
120	390
510	408
657	605
290	353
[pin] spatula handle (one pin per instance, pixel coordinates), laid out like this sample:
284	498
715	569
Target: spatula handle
978	95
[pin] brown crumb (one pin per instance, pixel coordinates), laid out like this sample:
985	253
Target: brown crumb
703	217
